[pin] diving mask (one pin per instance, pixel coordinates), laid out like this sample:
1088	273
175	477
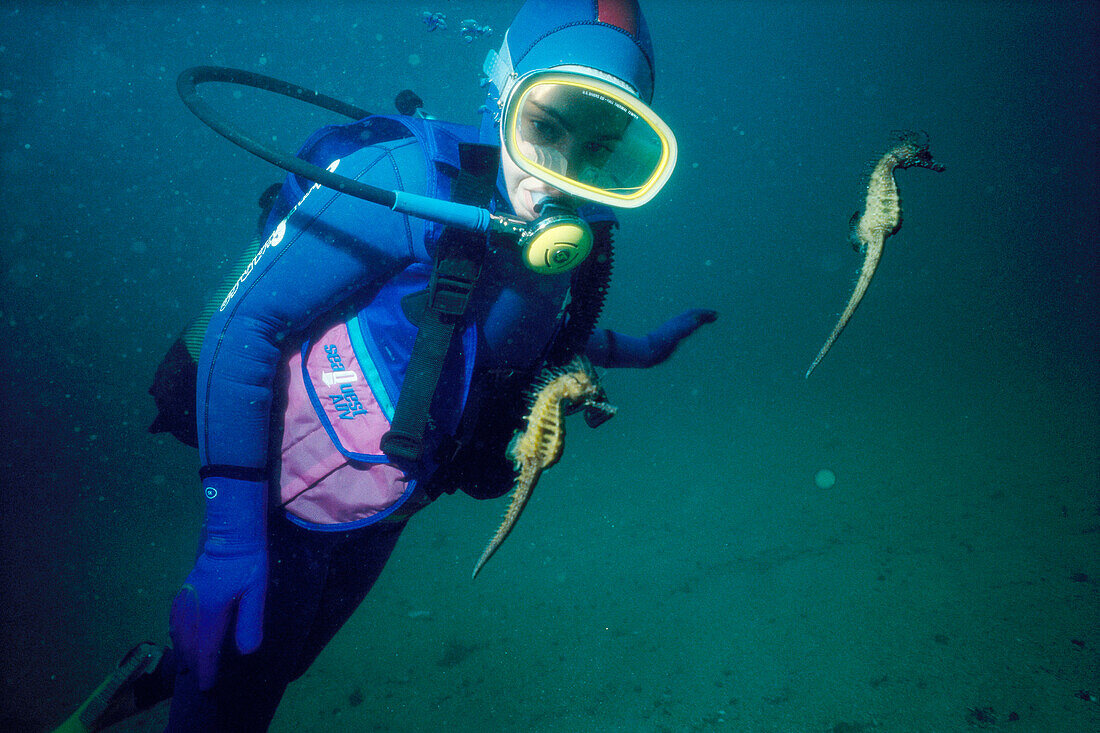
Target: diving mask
587	137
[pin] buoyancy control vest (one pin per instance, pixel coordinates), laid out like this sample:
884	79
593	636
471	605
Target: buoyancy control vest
473	458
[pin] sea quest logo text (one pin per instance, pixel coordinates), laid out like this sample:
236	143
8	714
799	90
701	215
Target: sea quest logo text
345	401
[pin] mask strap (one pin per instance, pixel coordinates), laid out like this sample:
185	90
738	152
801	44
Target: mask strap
498	68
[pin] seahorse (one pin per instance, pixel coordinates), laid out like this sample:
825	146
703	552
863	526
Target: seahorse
540	445
881	218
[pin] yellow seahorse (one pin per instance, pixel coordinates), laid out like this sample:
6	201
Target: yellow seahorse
540	446
881	218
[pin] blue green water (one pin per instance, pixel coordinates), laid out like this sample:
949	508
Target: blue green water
678	570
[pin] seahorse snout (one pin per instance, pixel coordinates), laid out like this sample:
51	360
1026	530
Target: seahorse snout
597	412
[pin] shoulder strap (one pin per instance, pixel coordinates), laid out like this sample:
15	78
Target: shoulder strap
438	310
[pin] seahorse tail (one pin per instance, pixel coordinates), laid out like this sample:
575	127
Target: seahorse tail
525	485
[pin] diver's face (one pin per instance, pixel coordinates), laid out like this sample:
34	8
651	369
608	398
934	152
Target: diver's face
524	190
564	131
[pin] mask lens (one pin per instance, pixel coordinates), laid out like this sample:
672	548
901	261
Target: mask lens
589	139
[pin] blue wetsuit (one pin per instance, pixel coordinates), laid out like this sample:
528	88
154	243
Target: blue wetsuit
266	594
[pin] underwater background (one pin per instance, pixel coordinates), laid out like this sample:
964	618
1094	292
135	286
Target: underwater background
679	570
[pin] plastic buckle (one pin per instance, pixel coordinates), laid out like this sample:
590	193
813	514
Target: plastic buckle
450	287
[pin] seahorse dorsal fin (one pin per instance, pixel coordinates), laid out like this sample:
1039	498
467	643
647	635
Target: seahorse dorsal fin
853	231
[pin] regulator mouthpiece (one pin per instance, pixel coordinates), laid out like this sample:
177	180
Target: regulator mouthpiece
556	242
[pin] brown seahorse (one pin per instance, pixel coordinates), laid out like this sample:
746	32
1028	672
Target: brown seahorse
881	218
540	445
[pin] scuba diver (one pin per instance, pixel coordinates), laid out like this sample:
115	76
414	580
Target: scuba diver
362	362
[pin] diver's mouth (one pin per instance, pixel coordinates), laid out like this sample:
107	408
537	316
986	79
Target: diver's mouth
540	199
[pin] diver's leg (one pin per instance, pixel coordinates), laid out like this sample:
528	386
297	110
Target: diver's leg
355	564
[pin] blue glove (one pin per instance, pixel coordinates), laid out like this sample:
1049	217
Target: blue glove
610	349
230	575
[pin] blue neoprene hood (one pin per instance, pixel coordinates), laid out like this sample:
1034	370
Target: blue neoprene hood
608	35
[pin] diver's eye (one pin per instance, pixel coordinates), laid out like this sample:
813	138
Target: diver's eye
597	148
543	131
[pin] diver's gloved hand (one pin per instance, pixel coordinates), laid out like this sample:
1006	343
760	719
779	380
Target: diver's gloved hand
229	579
610	349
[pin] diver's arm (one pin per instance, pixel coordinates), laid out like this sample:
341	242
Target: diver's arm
331	247
608	348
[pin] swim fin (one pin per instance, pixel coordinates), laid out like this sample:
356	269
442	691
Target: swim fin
113	700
